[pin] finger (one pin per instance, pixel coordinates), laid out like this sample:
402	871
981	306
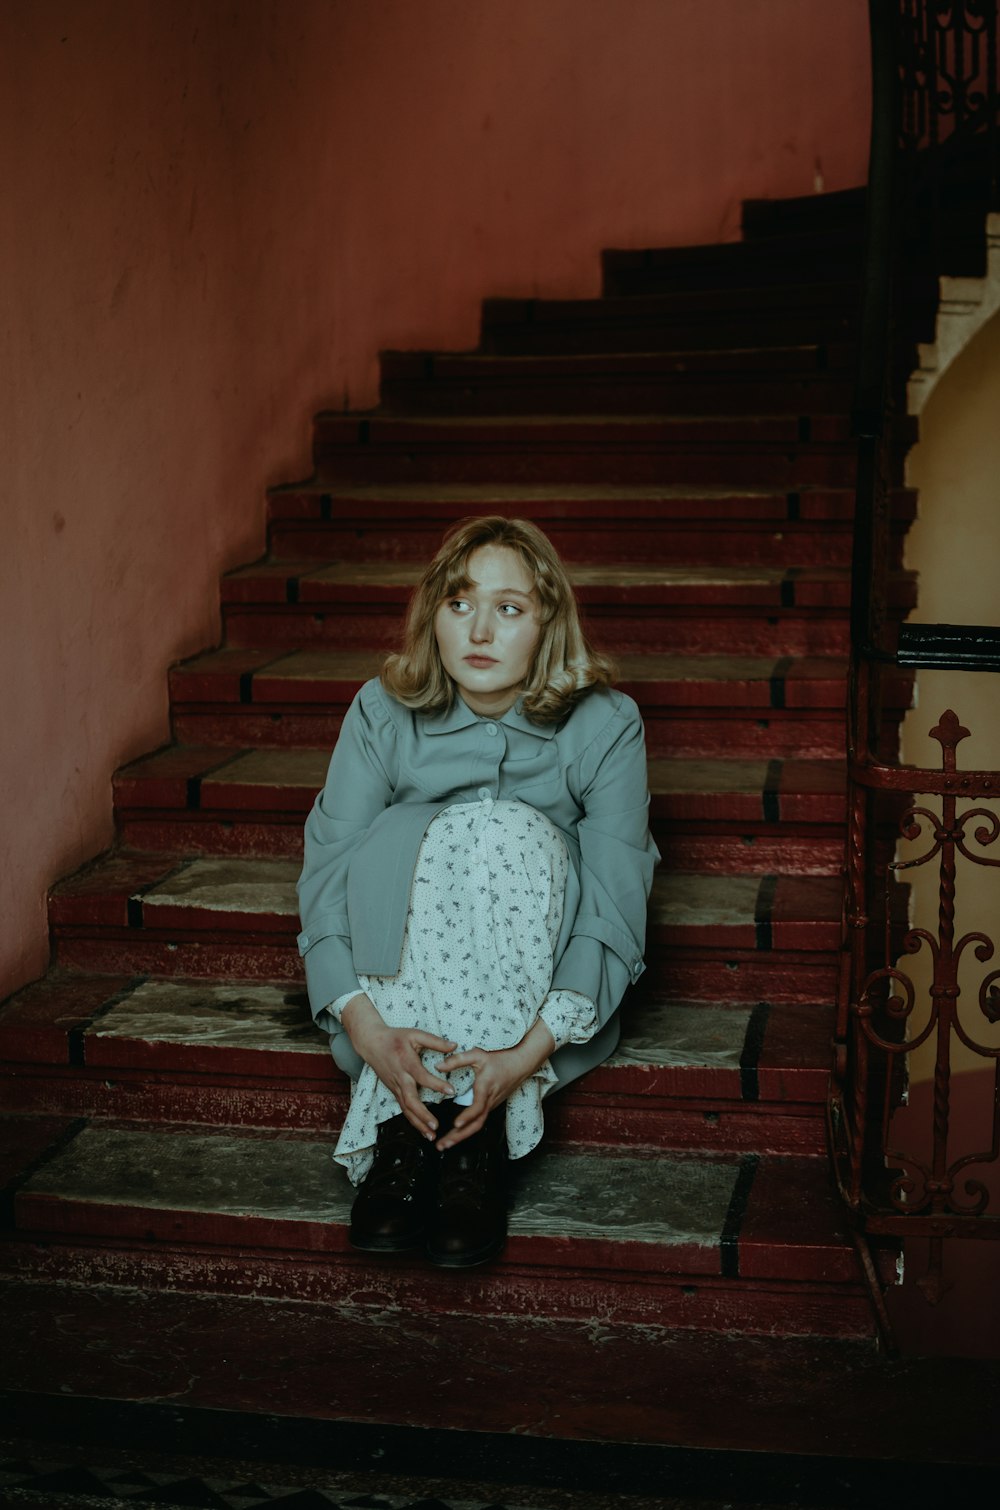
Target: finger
466	1058
425	1077
415	1069
416	1111
424	1040
459	1134
426	1129
476	1113
470	1119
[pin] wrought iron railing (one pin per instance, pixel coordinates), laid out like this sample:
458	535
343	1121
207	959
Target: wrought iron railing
934	146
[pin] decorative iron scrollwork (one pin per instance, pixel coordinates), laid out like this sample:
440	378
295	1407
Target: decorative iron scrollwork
947	68
935	106
916	1183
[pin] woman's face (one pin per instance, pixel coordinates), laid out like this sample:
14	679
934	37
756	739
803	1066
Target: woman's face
487	634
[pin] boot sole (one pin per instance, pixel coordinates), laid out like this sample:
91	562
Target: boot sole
385	1244
467	1260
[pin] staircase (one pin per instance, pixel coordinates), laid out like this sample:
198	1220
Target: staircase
174	1227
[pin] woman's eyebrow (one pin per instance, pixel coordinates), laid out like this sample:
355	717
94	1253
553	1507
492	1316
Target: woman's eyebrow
507	592
470	585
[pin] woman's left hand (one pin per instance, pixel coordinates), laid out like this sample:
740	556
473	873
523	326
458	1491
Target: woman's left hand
498	1074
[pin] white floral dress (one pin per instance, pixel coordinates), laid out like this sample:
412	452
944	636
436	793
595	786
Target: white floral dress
485	910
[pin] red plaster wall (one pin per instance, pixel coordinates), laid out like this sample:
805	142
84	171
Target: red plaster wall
217	211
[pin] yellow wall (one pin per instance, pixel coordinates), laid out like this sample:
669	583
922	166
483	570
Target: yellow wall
955	546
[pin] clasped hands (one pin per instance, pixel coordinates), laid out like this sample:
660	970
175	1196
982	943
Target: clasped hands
395	1056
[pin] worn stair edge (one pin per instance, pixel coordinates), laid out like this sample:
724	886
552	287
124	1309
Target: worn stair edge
306	586
630	1211
159	894
90	1284
800	296
717	848
567	504
483	393
272	676
803	361
199	779
728	1050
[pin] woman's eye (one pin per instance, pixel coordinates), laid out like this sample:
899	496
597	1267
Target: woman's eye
509	610
459	605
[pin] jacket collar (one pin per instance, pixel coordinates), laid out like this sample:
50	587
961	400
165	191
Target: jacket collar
461	716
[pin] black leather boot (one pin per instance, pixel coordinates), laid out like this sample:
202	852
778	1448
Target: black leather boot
391	1207
468	1220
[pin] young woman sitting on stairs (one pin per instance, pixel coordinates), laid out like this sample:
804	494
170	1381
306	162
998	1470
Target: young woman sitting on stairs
474	891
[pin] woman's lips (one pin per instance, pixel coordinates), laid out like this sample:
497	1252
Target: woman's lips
480	660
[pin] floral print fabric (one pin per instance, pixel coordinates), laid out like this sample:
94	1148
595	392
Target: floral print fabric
485	910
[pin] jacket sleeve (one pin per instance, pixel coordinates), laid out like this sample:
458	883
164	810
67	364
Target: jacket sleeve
359	786
603	955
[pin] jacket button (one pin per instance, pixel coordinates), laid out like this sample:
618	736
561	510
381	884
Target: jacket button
490	728
484	792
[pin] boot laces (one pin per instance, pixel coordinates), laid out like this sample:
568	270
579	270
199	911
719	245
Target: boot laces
465	1174
397	1156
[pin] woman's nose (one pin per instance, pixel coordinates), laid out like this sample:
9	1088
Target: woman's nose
481	630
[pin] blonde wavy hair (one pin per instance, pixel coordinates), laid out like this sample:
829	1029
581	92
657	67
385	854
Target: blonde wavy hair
564	666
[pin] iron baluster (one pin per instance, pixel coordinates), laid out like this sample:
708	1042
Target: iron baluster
934	147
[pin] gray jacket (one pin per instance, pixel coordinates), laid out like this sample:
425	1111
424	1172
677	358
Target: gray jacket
392	770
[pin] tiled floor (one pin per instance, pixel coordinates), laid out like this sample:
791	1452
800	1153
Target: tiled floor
60	1485
118	1478
64	1452
66	1484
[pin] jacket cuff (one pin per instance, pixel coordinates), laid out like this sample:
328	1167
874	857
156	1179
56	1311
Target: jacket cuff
600	973
330	976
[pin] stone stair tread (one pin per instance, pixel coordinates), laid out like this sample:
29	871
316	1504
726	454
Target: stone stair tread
199	776
718	1076
805	381
339	430
270	676
520	496
801	294
773	259
795	359
637	1210
797	244
249	895
236	1027
289	778
414	360
344	666
308	583
780	523
611	503
196	800
835	327
807	777
406	573
780	449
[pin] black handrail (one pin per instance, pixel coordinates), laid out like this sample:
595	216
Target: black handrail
881	221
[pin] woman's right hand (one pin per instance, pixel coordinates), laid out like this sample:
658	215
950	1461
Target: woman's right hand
394	1055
